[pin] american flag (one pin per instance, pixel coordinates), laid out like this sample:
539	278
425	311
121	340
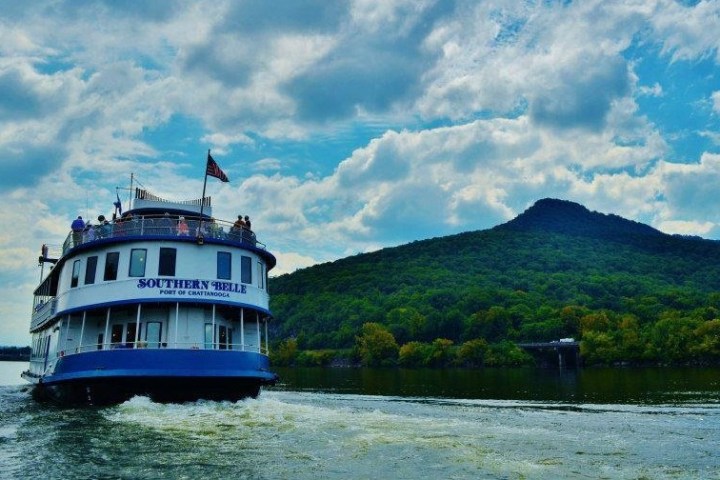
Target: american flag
214	171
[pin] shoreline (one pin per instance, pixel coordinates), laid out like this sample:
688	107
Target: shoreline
9	358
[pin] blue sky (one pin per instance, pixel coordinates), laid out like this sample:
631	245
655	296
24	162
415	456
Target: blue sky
350	126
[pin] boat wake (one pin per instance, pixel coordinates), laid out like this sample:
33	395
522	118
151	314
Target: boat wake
351	436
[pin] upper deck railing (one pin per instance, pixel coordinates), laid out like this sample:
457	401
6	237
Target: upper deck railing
44	309
162	226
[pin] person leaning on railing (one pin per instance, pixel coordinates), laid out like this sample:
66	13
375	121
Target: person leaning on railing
182	227
216	231
89	233
104	229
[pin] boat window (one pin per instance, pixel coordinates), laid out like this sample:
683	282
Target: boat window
75	274
101	337
223	265
116	334
230	338
130	335
245	269
112	259
137	262
90	268
166	267
153	333
209	337
222	337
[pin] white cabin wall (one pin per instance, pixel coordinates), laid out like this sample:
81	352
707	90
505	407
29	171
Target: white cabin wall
194	263
251	336
70	334
94	326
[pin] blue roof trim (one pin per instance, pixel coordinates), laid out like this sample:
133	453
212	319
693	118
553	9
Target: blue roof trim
101	305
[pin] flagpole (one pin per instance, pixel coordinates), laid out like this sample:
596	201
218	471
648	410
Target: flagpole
202	202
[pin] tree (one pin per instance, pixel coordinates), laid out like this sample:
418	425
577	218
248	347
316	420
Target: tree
707	343
631	345
598	322
414	354
472	353
672	336
376	345
506	354
405	323
491	324
286	352
570	316
440	355
599	348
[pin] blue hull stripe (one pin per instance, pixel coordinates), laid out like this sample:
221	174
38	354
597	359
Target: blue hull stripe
165	363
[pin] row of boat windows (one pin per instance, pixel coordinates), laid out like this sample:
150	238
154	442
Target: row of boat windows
124	336
40	347
153	334
214	334
166	267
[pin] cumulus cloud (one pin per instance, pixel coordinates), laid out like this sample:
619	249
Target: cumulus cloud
31	116
585	98
265	164
681	227
654	91
289	262
690	191
417	184
687	31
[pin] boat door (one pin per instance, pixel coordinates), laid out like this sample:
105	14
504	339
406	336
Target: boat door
153	334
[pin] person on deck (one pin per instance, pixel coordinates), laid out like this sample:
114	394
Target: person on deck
239	223
166	224
89	233
77	228
237	228
104	229
215	229
182	227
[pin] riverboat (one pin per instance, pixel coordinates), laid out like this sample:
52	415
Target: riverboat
163	301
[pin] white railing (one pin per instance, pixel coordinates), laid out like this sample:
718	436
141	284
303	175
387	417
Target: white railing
42	313
162	226
233	347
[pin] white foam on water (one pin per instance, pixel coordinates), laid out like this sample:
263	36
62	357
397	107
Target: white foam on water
357	436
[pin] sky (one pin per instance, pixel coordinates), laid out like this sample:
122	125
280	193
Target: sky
350	126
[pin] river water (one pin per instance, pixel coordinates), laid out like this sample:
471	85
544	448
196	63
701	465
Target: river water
377	424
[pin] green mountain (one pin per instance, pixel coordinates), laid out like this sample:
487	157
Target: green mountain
628	291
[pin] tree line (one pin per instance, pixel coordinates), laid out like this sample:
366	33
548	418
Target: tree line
627	292
14	353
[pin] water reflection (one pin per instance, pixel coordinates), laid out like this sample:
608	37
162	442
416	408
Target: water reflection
590	385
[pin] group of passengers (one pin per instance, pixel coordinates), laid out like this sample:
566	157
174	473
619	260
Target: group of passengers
165	225
241	224
86	232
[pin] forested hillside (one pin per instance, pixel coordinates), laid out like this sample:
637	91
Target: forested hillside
626	290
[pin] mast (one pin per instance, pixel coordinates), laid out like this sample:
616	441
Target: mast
130	200
202	205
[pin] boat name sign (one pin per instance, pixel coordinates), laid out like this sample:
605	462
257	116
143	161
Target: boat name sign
192	287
